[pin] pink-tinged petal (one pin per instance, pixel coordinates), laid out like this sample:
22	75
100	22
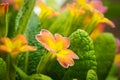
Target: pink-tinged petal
97	4
65	58
62	42
65	61
118	45
47	40
107	21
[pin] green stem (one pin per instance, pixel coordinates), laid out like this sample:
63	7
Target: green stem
45	62
26	61
22	74
11	70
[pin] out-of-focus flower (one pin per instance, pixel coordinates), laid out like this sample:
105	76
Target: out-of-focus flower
44	11
58	46
97	4
74	11
117	55
93	5
97	31
3	8
15	46
16	3
117	60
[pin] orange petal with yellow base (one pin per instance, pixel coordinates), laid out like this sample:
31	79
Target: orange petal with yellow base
65	58
46	39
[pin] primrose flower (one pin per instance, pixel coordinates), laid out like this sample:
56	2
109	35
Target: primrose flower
15	46
93	5
58	46
74	11
44	11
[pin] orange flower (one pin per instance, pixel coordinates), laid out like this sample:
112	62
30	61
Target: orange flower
74	11
15	45
3	8
58	46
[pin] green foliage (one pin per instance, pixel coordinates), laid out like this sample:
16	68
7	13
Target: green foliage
3	70
113	74
23	16
33	57
3	24
11	22
91	75
39	77
105	48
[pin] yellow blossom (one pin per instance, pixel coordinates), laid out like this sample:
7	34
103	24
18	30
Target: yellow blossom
46	11
74	11
15	46
58	46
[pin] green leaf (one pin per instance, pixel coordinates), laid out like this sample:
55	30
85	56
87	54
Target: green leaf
91	75
113	74
3	20
23	16
33	28
40	77
3	70
105	48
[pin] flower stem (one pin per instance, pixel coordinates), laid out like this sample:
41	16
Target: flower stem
11	70
26	61
45	62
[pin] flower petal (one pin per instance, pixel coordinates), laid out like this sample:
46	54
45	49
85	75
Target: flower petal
110	23
65	58
4	49
21	38
65	61
97	4
7	42
47	40
27	48
62	42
